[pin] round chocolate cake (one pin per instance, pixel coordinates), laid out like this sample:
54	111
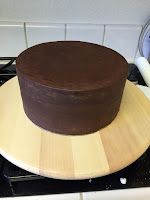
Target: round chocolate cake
70	87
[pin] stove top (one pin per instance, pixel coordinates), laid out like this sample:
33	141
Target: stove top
18	182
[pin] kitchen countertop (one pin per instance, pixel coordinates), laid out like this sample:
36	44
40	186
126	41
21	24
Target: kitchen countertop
130	194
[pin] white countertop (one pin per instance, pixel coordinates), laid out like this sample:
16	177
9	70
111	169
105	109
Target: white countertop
125	194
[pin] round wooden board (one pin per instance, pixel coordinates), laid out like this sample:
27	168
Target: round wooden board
74	157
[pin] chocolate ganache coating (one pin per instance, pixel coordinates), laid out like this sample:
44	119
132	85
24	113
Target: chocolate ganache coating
71	87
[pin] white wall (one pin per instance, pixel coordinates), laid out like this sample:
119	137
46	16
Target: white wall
76	11
113	23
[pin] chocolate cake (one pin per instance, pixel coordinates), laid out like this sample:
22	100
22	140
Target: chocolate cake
71	87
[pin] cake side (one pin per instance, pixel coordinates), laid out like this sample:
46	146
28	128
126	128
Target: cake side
78	113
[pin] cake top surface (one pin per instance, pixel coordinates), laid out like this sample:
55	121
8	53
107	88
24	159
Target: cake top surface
71	65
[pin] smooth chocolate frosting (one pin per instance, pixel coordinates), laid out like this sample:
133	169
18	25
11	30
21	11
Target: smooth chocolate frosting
71	87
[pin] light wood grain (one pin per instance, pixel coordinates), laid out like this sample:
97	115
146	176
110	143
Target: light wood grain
74	157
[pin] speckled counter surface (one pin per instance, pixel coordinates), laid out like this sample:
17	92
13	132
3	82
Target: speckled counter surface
130	194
